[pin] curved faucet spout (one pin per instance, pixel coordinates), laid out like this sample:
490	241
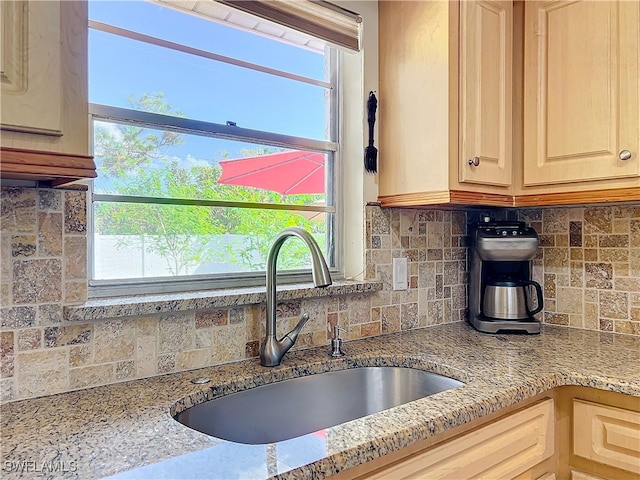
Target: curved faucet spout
272	350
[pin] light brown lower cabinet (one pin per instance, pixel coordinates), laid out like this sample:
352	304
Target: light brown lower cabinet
575	433
607	435
505	448
575	475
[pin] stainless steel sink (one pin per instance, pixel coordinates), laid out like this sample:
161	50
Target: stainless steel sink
298	406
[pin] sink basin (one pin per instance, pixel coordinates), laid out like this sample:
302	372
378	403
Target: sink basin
298	406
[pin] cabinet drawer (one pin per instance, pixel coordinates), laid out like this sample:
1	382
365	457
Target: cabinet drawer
607	435
575	475
502	449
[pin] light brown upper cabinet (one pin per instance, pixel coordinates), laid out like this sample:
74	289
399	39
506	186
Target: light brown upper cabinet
485	101
44	121
581	103
445	102
509	103
31	80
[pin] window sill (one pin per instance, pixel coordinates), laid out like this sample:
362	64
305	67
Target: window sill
118	307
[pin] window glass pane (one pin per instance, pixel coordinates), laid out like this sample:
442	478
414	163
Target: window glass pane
197	32
152	239
123	70
133	160
139	241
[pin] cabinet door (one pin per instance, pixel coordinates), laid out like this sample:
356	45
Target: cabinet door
581	103
486	31
607	435
414	42
30	73
576	475
502	449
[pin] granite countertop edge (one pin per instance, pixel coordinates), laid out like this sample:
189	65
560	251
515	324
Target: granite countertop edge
136	305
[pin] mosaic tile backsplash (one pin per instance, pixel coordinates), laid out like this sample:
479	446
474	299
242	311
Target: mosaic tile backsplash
589	266
589	263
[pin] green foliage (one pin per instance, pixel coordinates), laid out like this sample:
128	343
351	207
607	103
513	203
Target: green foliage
178	233
136	161
128	149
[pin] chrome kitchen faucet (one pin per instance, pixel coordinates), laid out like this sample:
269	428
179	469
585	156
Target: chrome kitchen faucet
272	350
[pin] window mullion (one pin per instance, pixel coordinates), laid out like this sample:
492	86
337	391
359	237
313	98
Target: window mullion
207	129
158	42
198	202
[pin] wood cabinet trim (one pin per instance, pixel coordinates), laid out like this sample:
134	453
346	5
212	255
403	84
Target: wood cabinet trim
461	197
631	194
478	198
58	168
415	199
446	197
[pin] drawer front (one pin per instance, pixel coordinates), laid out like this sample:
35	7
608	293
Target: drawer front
502	449
607	435
576	475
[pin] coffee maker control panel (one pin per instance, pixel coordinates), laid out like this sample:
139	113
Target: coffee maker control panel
505	241
505	229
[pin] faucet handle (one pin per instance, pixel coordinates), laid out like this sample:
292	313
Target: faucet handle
293	334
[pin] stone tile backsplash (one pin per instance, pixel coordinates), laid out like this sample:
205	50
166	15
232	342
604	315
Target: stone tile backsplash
589	265
433	241
43	265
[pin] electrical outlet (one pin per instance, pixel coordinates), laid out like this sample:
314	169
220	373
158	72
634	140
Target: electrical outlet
400	274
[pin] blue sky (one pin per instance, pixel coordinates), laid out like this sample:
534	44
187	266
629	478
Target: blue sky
200	88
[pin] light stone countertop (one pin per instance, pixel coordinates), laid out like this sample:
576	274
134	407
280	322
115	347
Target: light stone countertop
135	305
127	428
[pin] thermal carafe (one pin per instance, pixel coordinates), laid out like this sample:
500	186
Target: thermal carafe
500	289
508	299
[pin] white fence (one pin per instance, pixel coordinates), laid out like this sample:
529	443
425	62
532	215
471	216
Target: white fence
129	256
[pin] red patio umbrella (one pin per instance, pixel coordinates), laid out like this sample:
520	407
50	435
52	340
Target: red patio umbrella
288	173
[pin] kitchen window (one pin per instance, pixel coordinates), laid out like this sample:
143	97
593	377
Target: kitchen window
212	131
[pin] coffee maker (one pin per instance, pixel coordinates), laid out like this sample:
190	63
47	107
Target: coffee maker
500	284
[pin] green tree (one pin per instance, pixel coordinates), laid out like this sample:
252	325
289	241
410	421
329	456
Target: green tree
128	157
126	149
178	233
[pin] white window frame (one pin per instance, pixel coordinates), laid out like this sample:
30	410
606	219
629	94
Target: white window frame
120	287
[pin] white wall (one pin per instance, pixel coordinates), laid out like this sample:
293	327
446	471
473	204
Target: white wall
360	74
